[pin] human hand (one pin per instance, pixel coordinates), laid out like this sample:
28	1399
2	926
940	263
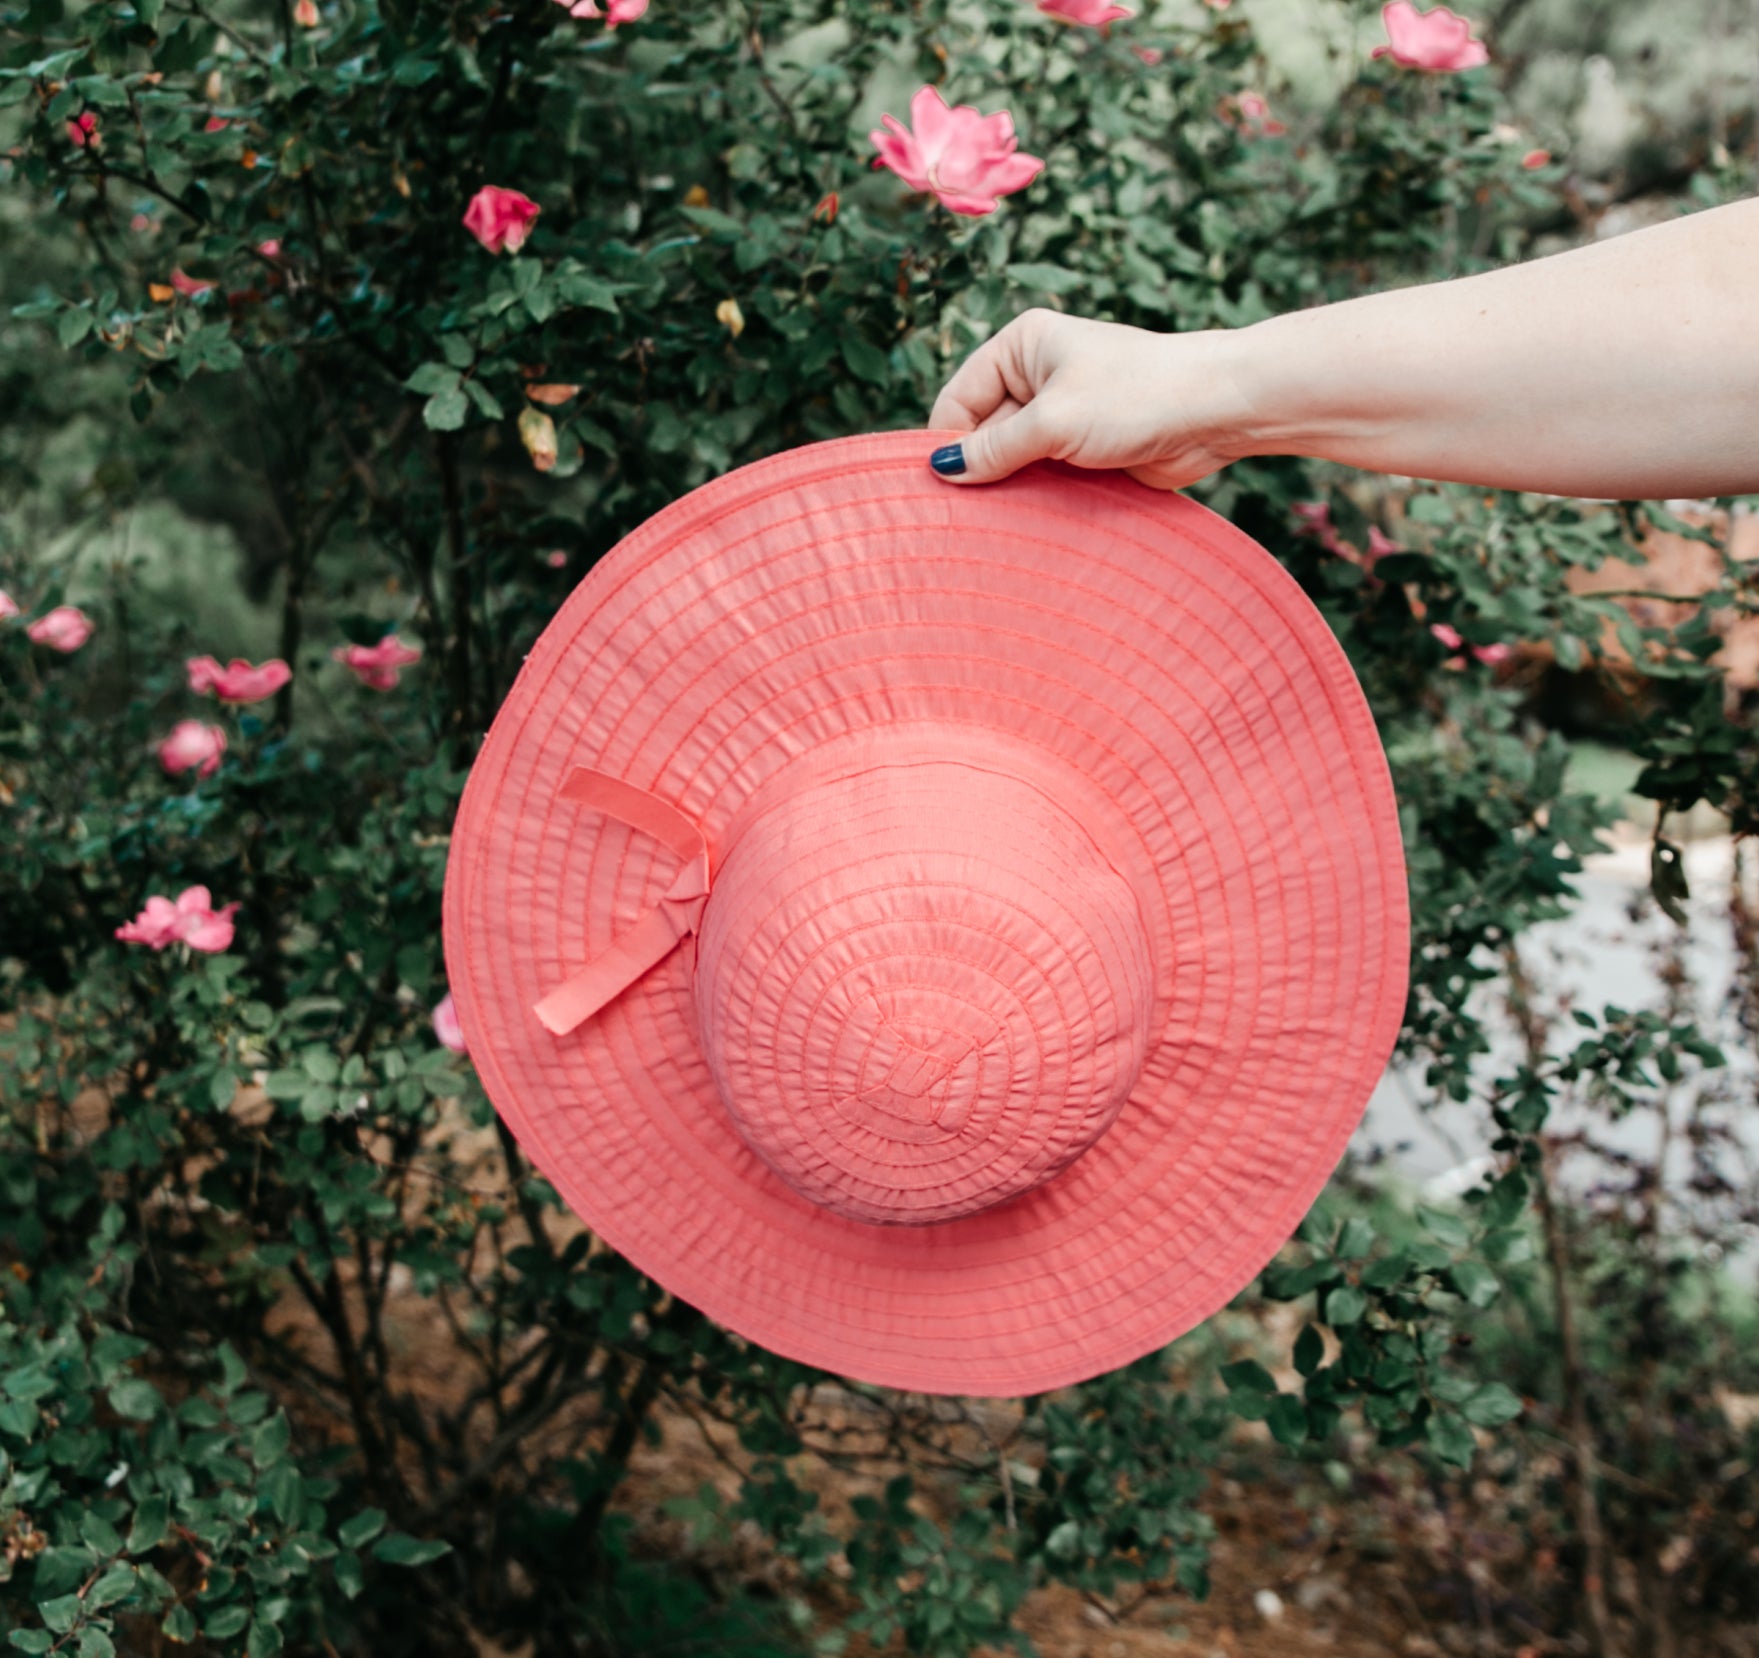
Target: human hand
1164	408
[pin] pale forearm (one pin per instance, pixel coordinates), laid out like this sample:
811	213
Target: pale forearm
1626	369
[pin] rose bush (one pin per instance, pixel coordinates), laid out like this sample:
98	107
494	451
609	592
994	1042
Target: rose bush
430	306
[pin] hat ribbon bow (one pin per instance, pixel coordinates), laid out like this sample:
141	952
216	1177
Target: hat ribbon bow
677	914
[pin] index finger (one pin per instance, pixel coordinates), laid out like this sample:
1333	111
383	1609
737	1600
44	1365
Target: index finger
989	378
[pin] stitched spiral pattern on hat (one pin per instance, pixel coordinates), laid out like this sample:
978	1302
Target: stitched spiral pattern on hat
921	988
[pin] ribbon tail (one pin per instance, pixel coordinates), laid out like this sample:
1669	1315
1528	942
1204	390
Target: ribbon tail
608	975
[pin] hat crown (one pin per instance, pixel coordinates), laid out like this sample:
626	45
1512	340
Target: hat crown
922	986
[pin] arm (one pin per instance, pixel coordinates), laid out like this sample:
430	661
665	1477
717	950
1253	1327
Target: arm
1627	369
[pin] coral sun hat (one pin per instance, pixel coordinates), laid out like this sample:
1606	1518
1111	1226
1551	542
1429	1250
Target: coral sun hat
945	934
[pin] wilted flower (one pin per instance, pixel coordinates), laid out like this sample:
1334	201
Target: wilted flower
500	218
378	665
65	628
192	920
1438	40
538	433
551	395
966	158
238	682
193	746
826	209
446	1026
730	317
1090	13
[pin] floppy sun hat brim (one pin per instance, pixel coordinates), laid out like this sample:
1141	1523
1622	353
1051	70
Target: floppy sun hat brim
1136	641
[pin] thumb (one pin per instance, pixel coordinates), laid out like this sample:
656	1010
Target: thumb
996	449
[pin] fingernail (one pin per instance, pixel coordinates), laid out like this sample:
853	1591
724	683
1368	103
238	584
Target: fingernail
950	461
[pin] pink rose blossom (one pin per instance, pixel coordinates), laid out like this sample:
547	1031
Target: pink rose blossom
1089	13
305	14
7	608
238	682
271	249
555	560
1484	653
446	1026
500	218
621	11
189	286
191	920
377	665
1249	115
83	130
1535	158
65	628
193	746
1218	5
1380	543
966	158
1315	519
1436	39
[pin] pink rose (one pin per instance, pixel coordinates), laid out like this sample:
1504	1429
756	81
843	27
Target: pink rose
1249	115
305	14
1429	40
377	664
7	608
446	1026
1090	13
190	287
65	628
621	11
500	218
1379	544
1535	158
556	560
238	682
1484	653
192	919
1315	519
82	131
967	159
271	249
193	746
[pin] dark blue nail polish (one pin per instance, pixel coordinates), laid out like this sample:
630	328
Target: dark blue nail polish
950	461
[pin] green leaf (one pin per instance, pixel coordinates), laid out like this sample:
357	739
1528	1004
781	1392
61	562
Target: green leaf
866	360
363	1528
138	1400
1475	1282
73	325
1451	1440
709	218
226	1622
98	1531
431	378
1287	1419
151	1521
1309	1350
399	1549
265	1639
95	1643
29	1381
269	1443
1065	1541
484	399
1450	1229
61	1613
349	1577
116	1584
446	411
286	1085
31	1640
179	1625
1050	279
1344	1305
1492	1405
1248	1376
